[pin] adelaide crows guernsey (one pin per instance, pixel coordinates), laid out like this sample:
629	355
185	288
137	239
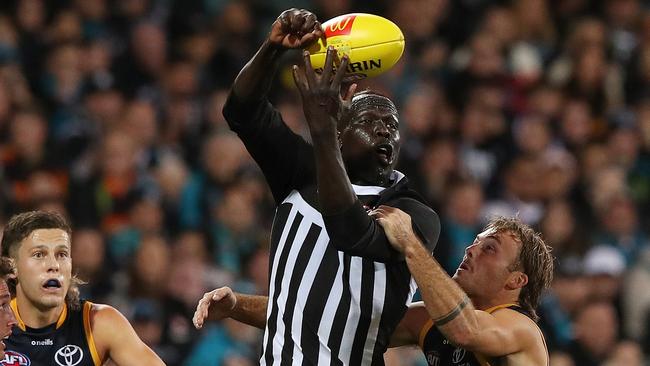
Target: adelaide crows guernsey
440	352
68	342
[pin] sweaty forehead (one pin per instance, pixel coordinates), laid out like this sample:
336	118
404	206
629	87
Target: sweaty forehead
504	236
365	102
49	237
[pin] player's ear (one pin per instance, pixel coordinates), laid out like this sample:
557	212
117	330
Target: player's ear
516	280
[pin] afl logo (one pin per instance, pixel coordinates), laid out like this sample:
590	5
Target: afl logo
13	358
458	355
69	355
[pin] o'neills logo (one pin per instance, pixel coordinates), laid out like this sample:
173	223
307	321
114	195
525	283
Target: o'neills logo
342	26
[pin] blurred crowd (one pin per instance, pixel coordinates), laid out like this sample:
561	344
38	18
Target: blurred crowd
110	113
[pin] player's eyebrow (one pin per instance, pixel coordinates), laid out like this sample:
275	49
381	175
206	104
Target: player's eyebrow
495	238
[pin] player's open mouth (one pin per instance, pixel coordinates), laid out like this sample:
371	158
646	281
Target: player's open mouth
464	266
385	151
52	284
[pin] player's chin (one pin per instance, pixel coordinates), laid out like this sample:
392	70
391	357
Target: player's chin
51	300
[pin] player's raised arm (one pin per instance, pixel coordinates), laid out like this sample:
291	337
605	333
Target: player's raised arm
294	28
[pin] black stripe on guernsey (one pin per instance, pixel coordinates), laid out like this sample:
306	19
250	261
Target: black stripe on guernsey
298	271
279	221
339	322
272	319
315	305
367	286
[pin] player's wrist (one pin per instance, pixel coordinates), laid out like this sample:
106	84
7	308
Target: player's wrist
412	247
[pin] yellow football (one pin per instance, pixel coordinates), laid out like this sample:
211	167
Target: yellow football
374	44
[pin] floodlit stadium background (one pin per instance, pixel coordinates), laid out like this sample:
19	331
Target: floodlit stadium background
110	113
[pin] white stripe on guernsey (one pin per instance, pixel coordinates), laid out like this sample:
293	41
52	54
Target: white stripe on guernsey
308	211
370	190
413	286
274	269
278	339
325	327
356	271
378	297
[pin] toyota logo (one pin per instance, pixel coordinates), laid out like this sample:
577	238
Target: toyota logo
69	355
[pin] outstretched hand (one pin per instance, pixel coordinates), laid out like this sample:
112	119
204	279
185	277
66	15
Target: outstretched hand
215	305
296	28
322	98
396	224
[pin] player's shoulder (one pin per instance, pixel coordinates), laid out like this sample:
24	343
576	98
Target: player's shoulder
105	317
527	332
413	206
522	324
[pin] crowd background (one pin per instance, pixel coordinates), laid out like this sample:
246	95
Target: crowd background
110	113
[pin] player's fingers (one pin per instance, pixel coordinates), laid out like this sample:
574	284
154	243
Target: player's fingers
309	71
221	295
296	20
197	319
309	23
307	39
327	69
298	79
284	21
340	72
349	93
320	33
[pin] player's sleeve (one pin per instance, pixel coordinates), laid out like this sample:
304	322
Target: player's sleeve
284	157
356	233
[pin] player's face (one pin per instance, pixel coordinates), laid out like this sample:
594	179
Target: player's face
7	319
44	268
487	267
371	137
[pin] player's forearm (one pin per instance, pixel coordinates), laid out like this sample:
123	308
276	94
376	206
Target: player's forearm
255	78
335	192
251	310
446	303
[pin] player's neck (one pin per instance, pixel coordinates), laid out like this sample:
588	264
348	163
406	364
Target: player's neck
37	317
488	303
379	178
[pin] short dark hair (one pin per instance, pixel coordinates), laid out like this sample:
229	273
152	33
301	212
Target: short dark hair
534	259
22	225
18	228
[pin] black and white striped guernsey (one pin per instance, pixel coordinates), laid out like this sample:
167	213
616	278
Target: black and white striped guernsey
337	289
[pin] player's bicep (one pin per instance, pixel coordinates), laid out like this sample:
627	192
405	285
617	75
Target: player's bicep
502	333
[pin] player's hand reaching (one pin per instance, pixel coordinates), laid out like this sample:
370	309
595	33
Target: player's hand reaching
323	101
215	305
396	224
296	28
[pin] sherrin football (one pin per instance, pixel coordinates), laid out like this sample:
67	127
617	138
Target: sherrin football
374	44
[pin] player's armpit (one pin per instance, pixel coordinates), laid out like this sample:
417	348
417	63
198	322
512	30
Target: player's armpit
408	330
116	338
500	333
